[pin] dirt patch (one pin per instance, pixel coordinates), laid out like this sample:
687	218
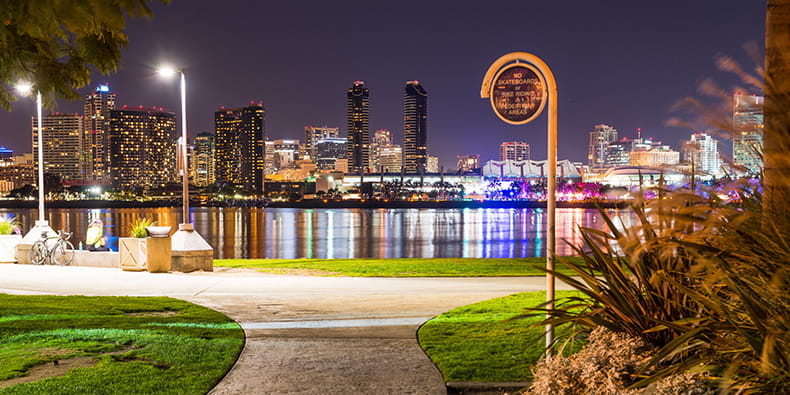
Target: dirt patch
51	369
154	313
59	367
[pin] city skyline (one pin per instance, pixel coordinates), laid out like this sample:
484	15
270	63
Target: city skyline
616	63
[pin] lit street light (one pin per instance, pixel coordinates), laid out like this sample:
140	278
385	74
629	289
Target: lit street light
190	251
42	225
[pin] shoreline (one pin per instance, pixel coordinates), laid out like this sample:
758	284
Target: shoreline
317	204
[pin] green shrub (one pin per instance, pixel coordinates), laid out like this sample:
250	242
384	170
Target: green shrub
8	225
137	229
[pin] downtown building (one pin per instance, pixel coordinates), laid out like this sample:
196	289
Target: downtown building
95	151
385	157
203	163
62	139
312	134
329	151
747	140
239	141
415	128
358	124
703	151
514	150
467	163
600	138
142	147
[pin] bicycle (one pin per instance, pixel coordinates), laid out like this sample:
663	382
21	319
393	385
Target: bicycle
60	253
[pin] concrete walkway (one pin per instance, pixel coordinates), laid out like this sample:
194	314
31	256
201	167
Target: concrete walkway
328	335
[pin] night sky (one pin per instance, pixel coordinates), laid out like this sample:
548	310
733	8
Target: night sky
620	62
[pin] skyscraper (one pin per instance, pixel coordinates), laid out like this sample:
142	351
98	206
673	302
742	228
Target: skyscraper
329	151
747	141
62	140
358	107
203	159
467	163
600	138
142	145
703	150
240	158
514	150
415	127
311	136
95	151
385	156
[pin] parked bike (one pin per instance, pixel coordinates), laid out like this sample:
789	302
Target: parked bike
56	250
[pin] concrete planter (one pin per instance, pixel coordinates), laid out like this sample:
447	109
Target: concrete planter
8	245
151	253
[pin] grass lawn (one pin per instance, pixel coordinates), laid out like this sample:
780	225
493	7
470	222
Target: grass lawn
398	267
478	343
113	345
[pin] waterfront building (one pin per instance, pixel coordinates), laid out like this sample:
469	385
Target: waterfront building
6	156
600	138
329	151
415	127
239	140
95	151
358	124
62	139
203	162
514	150
747	141
142	145
314	133
510	169
286	153
19	170
467	163
268	163
654	157
432	165
703	151
385	156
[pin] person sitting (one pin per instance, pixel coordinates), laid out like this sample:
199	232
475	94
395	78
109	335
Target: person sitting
95	237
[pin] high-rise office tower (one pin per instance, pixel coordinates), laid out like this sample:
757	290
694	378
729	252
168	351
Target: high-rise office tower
600	138
203	159
358	124
329	151
95	144
703	150
385	156
747	141
62	139
415	128
311	136
286	153
514	150
142	146
240	157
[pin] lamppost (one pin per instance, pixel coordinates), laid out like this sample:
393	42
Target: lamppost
42	225
189	251
169	71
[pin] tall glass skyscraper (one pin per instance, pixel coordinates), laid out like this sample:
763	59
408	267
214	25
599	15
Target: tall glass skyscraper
600	138
415	128
62	139
95	153
240	158
358	124
748	124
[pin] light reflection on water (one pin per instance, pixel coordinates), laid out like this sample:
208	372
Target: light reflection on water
348	233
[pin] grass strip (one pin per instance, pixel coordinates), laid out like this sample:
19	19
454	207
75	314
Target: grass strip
127	345
479	342
400	267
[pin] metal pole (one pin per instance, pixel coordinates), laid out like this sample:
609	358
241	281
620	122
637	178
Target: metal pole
40	159
185	174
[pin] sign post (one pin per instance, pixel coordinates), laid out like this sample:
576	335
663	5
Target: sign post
518	85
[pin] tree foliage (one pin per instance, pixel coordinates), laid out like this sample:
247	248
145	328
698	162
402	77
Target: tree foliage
54	44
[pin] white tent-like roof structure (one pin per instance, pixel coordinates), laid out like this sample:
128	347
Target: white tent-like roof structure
527	169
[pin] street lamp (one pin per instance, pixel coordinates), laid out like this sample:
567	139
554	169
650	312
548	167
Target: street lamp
189	250
167	71
42	225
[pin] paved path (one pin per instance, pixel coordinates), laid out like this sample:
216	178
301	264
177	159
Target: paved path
328	335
